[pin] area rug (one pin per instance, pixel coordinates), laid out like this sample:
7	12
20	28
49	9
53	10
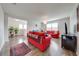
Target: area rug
19	50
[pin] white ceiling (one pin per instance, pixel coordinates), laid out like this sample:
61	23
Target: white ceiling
31	11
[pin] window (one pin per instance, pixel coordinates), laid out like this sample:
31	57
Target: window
25	26
55	26
52	26
49	26
20	26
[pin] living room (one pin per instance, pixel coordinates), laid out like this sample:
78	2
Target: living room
51	29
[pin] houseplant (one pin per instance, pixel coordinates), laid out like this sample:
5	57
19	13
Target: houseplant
11	31
16	30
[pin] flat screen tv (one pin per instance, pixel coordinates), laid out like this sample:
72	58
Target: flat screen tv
66	32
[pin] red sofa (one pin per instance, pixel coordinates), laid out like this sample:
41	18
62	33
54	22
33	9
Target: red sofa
45	40
54	34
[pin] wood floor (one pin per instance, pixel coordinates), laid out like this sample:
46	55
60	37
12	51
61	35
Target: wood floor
53	50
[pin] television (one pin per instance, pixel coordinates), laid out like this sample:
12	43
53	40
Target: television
66	31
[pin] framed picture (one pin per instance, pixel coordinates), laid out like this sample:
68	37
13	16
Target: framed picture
78	19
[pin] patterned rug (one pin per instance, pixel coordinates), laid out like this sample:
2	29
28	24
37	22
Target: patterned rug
19	50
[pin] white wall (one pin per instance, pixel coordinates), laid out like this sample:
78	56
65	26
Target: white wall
73	21
43	26
1	27
31	24
61	24
6	27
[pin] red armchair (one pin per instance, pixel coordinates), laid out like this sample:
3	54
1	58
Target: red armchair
54	34
44	40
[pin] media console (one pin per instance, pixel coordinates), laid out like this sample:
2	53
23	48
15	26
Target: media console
69	42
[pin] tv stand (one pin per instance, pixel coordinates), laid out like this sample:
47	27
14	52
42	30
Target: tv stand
69	42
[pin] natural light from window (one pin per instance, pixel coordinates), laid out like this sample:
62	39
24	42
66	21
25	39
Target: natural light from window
49	26
20	26
52	26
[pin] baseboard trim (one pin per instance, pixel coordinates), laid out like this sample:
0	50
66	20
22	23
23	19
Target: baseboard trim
2	45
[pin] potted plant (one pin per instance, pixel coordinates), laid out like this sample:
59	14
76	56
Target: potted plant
16	31
11	30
